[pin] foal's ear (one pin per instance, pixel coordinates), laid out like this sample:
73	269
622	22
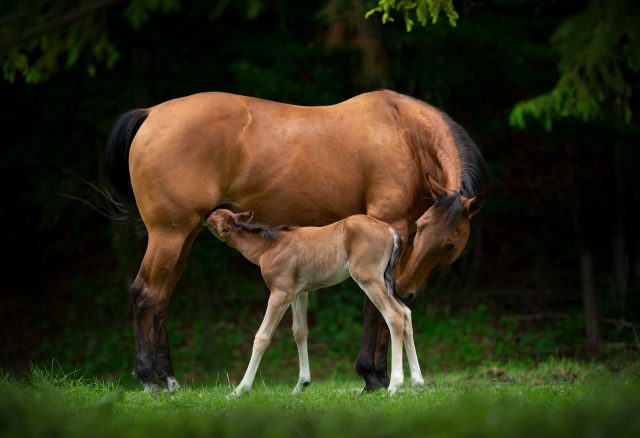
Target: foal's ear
245	216
435	187
472	206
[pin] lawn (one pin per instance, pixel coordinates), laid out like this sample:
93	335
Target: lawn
554	398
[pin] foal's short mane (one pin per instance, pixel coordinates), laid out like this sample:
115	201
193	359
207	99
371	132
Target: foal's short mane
473	172
266	232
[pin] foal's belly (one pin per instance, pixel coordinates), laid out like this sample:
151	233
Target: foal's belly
317	280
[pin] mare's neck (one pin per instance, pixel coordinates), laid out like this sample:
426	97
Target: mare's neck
251	245
434	145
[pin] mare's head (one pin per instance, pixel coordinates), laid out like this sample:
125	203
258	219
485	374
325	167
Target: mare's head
441	235
223	222
443	230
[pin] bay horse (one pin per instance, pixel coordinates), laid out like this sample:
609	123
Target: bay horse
390	156
294	262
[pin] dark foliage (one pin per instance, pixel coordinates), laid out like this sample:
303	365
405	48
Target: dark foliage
553	194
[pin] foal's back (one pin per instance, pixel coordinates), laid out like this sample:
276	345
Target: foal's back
315	257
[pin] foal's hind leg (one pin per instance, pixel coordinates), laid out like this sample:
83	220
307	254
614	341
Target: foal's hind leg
394	317
162	265
278	303
417	381
300	332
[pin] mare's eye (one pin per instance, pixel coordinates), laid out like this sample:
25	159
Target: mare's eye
450	246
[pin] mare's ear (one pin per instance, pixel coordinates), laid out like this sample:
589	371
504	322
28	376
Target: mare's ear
245	216
472	206
435	187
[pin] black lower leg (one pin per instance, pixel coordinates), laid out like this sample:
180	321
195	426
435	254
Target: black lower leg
381	349
365	366
162	365
144	366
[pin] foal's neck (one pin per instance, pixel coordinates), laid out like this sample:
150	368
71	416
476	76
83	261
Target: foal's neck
251	245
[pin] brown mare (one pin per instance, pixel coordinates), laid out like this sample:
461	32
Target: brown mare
390	156
296	261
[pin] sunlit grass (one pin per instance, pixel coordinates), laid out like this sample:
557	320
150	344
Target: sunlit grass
554	398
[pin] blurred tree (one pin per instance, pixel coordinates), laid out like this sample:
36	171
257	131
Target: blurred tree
37	37
599	50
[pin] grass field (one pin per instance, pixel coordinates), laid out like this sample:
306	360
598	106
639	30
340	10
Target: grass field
556	398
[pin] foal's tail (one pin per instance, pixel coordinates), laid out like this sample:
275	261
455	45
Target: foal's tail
118	145
389	272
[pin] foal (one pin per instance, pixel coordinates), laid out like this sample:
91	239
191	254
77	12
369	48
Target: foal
296	261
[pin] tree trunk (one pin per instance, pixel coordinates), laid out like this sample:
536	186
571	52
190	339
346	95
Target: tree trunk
590	304
620	256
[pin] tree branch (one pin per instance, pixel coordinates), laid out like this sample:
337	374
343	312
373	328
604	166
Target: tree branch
61	21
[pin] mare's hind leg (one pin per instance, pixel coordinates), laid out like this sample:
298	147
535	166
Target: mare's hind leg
164	259
278	303
300	333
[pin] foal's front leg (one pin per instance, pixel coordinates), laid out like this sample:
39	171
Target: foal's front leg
278	303
300	332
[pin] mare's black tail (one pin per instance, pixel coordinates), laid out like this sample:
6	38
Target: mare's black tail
389	272
118	145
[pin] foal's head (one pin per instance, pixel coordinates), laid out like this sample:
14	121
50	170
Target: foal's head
223	222
442	233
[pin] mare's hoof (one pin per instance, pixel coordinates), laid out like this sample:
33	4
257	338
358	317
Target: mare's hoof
172	385
151	387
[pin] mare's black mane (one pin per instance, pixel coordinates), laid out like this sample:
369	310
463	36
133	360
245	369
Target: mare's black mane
473	172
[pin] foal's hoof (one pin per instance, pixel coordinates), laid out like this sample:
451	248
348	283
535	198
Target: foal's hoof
239	391
299	387
393	389
417	384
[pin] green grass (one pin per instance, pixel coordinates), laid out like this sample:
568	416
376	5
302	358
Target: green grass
557	398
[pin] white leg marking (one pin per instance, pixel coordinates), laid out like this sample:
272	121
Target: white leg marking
300	333
278	304
151	387
172	385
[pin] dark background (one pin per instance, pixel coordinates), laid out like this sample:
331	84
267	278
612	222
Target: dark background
517	293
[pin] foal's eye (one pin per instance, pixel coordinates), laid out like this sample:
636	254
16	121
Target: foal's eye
450	246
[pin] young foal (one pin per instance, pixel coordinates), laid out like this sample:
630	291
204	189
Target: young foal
296	261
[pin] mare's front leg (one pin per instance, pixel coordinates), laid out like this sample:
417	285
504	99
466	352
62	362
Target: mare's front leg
300	333
278	303
417	381
374	373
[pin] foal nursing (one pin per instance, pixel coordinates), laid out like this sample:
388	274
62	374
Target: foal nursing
296	261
